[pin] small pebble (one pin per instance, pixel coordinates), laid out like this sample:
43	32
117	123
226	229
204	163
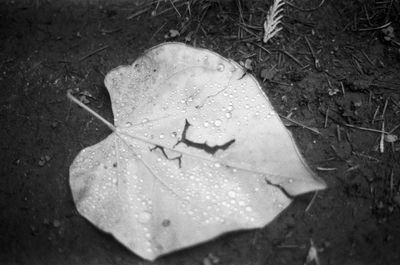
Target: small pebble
56	223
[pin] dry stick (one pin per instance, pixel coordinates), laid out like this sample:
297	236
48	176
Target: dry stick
300	124
138	13
394	128
375	114
369	98
259	46
356	127
326	168
375	28
311	202
305	10
391	183
338	133
357	64
247	30
172	3
158	30
317	64
366	56
364	129
291	57
367	15
326	118
93	53
366	156
280	83
342	86
240	33
170	8
382	141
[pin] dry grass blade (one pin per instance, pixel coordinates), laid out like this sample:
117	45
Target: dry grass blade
271	23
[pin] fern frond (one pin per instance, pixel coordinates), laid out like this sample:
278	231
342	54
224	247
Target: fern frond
273	19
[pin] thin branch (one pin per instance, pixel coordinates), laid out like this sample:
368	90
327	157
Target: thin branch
300	124
93	53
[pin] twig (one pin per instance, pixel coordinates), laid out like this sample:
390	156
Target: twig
247	30
300	124
364	129
357	64
375	28
354	126
317	64
368	59
326	118
259	46
338	133
382	140
177	11
394	128
138	13
279	83
290	56
366	156
158	30
305	10
326	168
93	53
375	114
391	183
342	86
311	202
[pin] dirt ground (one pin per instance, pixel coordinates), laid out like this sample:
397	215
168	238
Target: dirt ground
331	69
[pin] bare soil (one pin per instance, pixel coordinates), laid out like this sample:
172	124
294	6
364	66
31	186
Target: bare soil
331	69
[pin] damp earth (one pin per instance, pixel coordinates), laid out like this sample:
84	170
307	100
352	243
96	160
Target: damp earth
331	75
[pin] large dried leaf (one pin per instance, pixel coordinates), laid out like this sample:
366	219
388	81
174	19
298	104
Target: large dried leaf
197	151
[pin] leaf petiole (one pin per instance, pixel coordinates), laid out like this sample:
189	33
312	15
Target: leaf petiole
75	100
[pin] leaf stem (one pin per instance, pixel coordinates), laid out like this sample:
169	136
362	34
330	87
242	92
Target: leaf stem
75	100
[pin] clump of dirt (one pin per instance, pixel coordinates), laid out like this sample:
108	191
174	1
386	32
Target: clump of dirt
331	73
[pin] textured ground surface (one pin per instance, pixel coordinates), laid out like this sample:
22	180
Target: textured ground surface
44	51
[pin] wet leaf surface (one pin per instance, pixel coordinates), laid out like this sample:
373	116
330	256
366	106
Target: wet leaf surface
197	151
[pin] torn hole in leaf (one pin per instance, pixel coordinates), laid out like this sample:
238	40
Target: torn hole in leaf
202	146
164	153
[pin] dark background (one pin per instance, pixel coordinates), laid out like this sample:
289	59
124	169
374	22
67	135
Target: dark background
47	48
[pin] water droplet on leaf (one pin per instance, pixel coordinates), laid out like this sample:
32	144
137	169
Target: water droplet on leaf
144	217
220	67
217	123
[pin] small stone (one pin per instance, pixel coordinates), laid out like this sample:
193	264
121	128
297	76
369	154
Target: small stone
391	138
207	261
213	258
41	162
56	223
